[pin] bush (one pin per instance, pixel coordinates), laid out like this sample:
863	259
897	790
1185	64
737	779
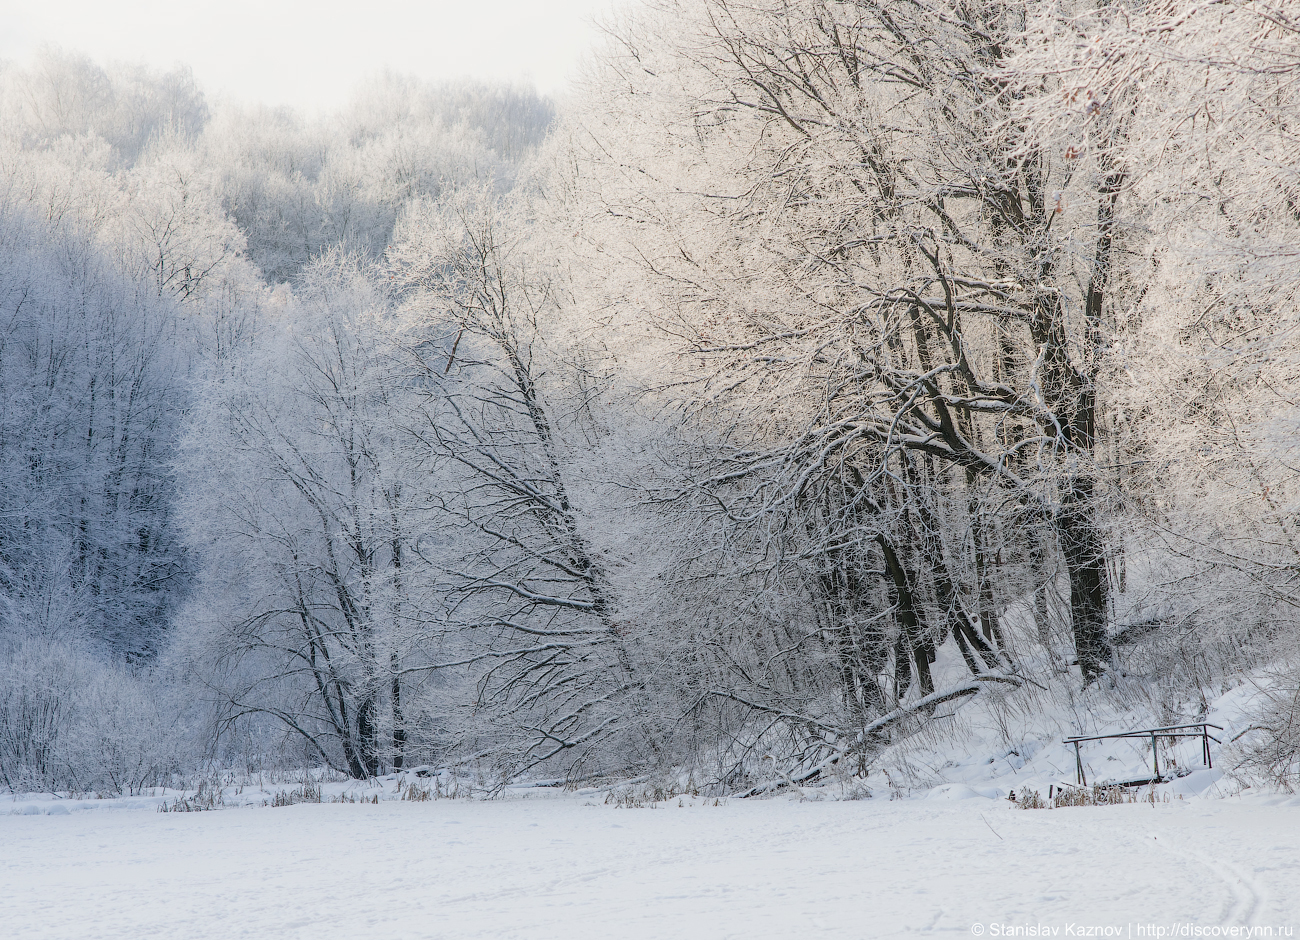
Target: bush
1269	751
68	722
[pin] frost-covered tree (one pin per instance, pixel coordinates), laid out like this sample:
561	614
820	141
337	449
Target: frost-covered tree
882	308
297	186
752	415
300	509
1205	393
65	95
516	552
91	404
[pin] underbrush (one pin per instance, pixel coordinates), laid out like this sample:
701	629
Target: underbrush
1267	752
207	797
70	722
417	789
216	789
1060	797
82	729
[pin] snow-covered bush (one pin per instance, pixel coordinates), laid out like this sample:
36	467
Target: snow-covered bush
71	722
1269	752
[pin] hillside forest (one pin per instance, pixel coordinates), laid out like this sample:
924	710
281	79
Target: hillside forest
812	371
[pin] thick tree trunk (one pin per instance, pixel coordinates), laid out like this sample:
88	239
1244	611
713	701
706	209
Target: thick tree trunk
399	720
367	738
1085	560
394	663
1082	543
913	639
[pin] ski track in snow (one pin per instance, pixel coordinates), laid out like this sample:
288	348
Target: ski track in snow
1247	895
563	866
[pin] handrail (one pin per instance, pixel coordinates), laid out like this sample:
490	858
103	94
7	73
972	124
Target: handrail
1172	731
1145	732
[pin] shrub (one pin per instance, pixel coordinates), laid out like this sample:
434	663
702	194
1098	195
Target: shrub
68	722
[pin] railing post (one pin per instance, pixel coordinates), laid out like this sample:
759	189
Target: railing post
1078	766
1155	757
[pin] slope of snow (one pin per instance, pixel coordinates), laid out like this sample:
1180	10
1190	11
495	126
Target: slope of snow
540	865
997	743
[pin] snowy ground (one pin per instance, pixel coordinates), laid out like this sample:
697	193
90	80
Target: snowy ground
541	864
954	857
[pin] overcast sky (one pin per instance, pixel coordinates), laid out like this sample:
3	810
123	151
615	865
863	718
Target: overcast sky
311	54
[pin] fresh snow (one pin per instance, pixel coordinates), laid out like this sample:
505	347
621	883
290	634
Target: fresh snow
937	850
548	864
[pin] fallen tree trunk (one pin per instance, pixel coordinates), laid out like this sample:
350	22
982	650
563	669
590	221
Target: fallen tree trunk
970	687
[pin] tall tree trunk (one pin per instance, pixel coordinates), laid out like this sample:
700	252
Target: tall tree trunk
394	663
913	639
1081	539
1085	560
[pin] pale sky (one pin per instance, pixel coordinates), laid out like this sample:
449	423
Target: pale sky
312	54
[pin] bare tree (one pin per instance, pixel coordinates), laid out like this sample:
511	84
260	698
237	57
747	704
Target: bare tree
521	571
92	399
857	241
301	509
1194	102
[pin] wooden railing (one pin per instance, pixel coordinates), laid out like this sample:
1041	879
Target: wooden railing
1173	731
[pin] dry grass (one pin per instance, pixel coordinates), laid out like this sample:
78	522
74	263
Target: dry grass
209	796
1061	797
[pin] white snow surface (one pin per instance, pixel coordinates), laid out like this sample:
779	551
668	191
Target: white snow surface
952	856
543	864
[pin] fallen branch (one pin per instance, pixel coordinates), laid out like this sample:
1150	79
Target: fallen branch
969	687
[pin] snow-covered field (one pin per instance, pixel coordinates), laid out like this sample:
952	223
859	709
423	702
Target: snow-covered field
951	856
540	864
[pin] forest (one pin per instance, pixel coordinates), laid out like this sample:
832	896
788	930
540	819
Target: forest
813	371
